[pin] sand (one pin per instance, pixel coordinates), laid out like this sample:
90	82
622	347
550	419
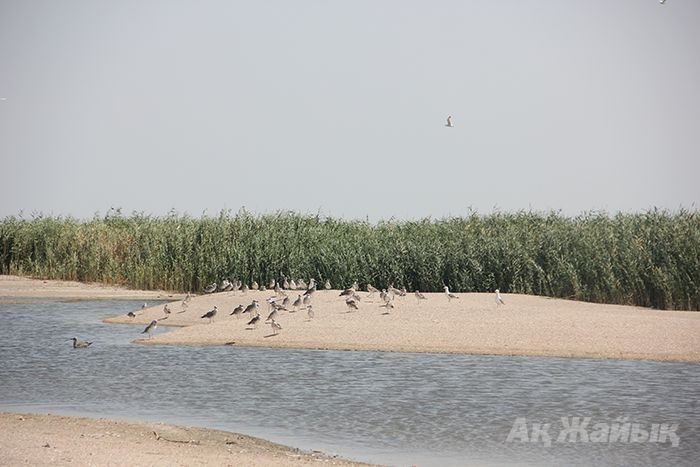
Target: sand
14	288
472	324
55	440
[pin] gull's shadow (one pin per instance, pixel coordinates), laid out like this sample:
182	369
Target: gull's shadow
270	335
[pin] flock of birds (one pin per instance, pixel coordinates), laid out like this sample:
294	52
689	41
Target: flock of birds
281	301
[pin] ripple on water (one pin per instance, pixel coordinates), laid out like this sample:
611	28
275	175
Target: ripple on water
428	409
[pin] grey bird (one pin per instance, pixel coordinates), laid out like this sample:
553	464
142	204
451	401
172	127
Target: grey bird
272	284
255	286
273	314
244	288
420	296
311	289
449	294
80	344
499	300
449	121
211	288
297	303
252	307
166	309
388	306
327	285
150	328
131	314
292	285
210	314
310	311
371	289
352	305
237	311
349	291
276	327
254	322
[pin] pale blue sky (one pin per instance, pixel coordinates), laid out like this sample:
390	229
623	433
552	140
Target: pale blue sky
340	106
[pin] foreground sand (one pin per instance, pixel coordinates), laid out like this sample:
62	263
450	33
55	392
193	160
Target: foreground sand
473	324
21	288
54	440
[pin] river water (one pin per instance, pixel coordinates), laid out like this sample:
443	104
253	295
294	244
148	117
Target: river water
392	408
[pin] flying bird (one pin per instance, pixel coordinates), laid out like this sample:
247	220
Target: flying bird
449	121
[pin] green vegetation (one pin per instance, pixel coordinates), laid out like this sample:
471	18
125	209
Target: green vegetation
647	259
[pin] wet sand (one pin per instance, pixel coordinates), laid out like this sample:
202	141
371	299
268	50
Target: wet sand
55	440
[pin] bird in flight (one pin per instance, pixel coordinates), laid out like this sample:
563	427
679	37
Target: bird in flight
449	121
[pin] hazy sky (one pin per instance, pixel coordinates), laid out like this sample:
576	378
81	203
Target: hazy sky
341	106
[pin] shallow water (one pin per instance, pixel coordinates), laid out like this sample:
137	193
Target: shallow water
400	409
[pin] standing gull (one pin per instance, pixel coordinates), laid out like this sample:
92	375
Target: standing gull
210	314
499	300
254	322
449	121
327	285
449	294
252	307
352	305
237	311
276	327
420	296
150	328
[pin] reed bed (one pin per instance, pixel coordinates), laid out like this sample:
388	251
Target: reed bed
649	259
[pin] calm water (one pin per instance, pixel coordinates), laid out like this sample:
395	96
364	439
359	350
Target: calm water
399	409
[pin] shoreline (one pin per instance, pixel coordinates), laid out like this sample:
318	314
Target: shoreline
473	324
22	289
45	439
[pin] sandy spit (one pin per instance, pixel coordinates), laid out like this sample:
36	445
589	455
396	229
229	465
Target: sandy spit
39	440
14	288
472	324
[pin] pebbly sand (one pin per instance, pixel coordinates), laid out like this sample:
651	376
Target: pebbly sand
55	440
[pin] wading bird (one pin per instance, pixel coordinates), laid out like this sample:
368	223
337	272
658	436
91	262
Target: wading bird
150	328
